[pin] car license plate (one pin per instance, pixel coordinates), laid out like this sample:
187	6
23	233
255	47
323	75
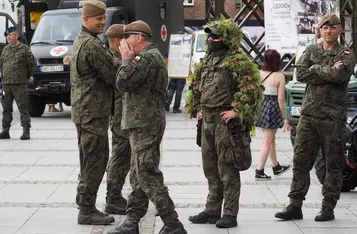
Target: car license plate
51	68
295	110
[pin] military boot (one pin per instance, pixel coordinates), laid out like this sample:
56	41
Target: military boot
227	221
289	213
5	134
128	227
92	216
326	214
204	217
118	207
174	227
25	134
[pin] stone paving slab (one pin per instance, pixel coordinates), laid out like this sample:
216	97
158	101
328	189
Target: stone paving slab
38	180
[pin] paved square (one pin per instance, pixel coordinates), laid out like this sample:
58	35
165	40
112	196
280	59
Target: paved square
38	180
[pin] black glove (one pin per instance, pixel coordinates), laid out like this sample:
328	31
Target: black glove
199	133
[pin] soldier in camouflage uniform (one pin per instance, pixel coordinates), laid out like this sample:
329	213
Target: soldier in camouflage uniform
225	138
326	67
92	79
143	78
119	163
17	65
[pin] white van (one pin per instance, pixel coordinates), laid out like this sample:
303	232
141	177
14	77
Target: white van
199	46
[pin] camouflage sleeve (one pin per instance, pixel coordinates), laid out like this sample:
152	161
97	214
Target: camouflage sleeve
303	74
342	73
101	61
132	73
196	93
31	63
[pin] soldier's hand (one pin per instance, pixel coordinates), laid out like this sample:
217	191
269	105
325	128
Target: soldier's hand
337	65
199	115
228	115
126	50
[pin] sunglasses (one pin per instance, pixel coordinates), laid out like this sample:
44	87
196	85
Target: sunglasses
214	36
127	35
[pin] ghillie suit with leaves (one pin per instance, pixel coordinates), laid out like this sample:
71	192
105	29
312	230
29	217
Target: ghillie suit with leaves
249	90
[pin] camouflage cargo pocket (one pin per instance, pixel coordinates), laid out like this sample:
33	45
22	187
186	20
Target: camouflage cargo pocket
242	156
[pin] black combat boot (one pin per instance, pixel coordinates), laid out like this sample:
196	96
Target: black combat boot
174	227
118	207
204	217
25	134
326	214
289	213
128	227
5	134
92	216
227	221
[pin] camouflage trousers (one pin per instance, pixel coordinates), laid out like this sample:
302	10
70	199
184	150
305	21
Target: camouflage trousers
119	162
219	150
146	179
93	158
17	92
313	133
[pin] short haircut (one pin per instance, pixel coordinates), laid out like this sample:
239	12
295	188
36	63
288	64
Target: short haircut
272	61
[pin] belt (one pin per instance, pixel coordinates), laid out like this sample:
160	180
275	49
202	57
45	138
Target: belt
219	109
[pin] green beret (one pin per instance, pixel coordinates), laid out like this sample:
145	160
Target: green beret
330	20
9	30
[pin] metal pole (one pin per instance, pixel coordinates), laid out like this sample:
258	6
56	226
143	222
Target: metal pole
354	26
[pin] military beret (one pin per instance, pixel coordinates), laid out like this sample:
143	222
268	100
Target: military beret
116	31
138	26
9	30
330	20
93	8
212	30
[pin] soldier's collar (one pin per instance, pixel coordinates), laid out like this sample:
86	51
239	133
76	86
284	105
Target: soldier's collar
334	50
84	29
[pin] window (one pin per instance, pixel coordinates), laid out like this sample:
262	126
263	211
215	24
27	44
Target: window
58	27
188	2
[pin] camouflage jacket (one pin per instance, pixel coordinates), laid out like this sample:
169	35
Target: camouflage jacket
17	64
326	91
118	93
215	85
92	78
144	81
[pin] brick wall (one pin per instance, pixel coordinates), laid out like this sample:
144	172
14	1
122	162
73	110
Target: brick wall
197	12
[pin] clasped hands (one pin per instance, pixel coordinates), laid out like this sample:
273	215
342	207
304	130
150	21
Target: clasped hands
226	115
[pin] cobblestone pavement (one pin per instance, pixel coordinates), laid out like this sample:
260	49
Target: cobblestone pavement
38	183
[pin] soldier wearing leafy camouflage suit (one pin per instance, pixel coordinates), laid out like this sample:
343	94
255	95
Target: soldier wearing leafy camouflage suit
143	78
326	67
227	96
92	79
119	162
17	65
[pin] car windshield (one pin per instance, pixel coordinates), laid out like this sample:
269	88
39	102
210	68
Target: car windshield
57	28
201	43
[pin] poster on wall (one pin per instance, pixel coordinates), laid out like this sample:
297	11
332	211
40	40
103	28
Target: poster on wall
179	56
291	23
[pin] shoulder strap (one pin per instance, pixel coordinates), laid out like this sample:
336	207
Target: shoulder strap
267	76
